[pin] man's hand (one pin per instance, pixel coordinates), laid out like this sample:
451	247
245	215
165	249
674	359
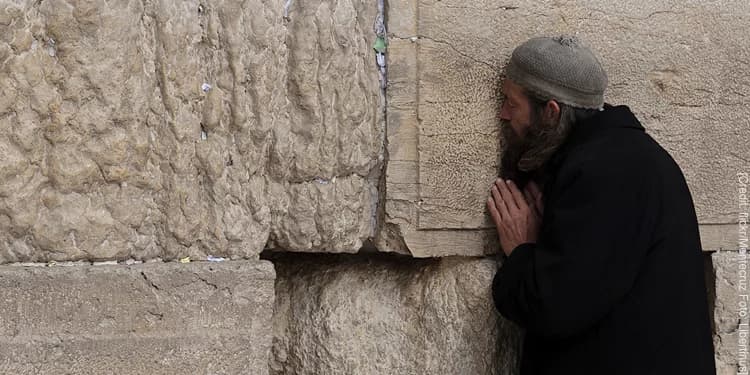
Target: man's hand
517	215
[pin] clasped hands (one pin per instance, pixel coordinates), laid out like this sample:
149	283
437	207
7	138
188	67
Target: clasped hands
517	215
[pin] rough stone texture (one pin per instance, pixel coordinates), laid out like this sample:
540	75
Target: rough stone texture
681	66
724	293
717	237
389	316
112	147
157	318
134	356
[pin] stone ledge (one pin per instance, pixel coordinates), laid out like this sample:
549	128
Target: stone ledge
151	318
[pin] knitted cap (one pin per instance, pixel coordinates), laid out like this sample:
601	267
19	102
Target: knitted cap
559	68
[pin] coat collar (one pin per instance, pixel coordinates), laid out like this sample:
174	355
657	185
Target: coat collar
610	117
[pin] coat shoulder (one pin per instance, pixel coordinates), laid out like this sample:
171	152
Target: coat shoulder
622	153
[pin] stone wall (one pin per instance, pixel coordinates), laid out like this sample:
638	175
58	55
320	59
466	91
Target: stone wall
162	129
166	128
156	318
681	67
385	315
723	275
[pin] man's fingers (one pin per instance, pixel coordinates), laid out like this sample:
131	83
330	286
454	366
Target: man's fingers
496	197
507	195
536	193
539	205
517	195
497	200
493	211
529	198
533	201
500	203
534	188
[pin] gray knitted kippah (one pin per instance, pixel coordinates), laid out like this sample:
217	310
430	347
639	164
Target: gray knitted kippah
559	68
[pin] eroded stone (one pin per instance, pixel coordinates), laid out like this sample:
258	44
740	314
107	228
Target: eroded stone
724	293
375	315
175	128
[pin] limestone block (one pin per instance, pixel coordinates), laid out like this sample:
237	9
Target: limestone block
724	293
378	315
156	318
208	354
171	128
681	68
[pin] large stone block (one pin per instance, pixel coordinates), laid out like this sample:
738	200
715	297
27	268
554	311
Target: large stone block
682	69
724	290
390	316
157	318
171	128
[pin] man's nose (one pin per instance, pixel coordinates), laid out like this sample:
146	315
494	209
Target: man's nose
504	113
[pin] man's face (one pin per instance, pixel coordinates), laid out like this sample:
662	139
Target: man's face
515	111
515	122
529	139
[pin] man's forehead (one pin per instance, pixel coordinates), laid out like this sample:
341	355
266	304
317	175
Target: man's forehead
511	89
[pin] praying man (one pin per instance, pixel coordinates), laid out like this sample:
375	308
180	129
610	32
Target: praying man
602	264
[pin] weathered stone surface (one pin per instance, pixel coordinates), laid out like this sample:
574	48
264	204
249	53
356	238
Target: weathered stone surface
724	293
114	355
171	128
717	237
157	318
389	316
683	69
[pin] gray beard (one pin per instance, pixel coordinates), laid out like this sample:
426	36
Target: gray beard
523	159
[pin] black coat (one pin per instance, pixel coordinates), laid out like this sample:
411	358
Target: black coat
615	284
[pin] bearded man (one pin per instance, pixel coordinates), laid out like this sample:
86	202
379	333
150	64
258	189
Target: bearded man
603	264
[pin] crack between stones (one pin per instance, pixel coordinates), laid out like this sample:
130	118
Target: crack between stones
326	180
654	13
501	7
377	173
446	43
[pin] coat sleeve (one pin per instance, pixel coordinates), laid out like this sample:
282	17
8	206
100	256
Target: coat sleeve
595	237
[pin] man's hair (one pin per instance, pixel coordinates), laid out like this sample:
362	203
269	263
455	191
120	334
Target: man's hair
548	137
569	116
525	158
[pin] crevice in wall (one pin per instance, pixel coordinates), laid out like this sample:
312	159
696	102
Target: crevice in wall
368	253
378	177
710	277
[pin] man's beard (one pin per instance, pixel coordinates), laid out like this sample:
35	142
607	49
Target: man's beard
524	158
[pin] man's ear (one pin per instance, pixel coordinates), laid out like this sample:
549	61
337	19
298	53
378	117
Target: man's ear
552	111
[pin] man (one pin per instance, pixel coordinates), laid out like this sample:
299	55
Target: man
604	268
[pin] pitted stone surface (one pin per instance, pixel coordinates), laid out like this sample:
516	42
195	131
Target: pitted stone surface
682	68
725	296
170	128
389	316
156	318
